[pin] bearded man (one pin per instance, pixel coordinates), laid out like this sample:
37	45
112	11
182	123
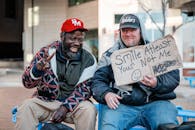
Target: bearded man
61	73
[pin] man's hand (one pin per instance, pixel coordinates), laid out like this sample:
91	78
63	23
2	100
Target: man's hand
112	100
149	81
43	64
60	114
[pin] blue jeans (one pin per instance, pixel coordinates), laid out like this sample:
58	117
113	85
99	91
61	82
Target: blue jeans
149	115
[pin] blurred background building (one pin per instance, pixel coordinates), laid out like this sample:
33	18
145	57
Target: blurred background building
27	25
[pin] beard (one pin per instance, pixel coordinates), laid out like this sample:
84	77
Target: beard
68	53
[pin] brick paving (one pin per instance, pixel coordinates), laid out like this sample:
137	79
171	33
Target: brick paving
11	95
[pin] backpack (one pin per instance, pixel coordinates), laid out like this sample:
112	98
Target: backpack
56	126
188	125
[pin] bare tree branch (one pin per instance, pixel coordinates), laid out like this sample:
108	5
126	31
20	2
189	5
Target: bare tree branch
148	12
164	13
164	6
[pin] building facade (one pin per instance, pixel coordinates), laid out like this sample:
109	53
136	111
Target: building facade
39	21
43	20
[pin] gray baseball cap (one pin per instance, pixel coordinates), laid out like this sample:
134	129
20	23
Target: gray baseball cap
129	21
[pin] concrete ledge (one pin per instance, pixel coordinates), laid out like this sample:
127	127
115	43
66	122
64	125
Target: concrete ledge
11	64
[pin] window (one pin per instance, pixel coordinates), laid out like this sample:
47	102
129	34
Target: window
153	34
187	18
92	42
77	2
117	18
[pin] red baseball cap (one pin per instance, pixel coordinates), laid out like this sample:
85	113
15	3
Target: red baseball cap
72	24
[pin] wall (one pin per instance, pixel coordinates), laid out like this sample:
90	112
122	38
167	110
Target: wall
88	12
48	17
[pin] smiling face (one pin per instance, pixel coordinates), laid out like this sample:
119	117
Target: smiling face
74	41
130	36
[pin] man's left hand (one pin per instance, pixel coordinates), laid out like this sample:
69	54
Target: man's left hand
60	114
149	81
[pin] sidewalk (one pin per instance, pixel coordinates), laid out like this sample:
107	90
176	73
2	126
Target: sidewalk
10	97
12	93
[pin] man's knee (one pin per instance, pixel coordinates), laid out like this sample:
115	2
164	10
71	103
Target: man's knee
89	108
26	105
85	110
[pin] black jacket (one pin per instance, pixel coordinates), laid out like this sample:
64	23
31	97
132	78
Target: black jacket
104	82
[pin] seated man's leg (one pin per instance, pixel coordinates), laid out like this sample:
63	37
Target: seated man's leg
84	116
122	118
32	111
159	112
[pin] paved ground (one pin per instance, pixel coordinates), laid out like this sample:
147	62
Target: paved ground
12	93
9	97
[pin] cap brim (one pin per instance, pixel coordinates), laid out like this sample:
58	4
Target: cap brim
81	29
129	26
84	29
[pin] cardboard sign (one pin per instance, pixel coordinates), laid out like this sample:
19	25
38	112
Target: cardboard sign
159	57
